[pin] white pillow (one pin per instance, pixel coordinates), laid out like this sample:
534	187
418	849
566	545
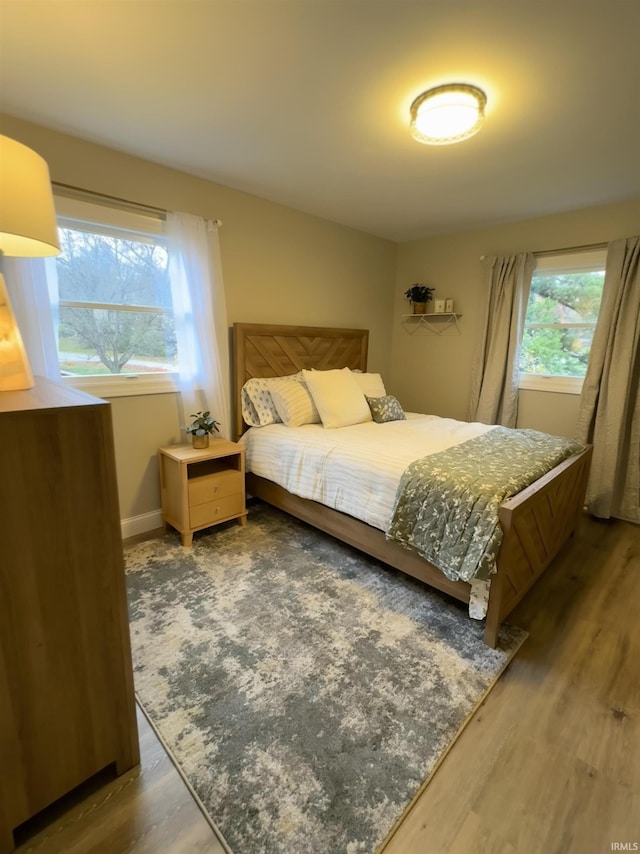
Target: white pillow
338	397
294	404
371	384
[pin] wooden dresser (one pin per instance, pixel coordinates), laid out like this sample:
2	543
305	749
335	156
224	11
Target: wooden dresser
67	707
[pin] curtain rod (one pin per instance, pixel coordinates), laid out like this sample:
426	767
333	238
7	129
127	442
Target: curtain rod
90	194
79	192
584	248
565	249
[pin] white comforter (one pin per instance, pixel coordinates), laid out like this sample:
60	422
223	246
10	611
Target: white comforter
352	469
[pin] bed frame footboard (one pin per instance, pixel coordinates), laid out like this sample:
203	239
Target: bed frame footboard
536	523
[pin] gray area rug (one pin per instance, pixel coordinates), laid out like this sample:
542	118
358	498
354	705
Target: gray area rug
306	692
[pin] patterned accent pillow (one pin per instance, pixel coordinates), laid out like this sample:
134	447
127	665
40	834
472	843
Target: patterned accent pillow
249	414
386	408
294	404
258	408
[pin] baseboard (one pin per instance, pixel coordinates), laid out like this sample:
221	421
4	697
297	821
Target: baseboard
135	525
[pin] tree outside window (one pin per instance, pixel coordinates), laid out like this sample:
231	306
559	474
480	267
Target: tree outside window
562	312
114	297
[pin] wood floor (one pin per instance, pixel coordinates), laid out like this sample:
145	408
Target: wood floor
549	764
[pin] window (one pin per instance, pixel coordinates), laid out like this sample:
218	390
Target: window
562	311
115	329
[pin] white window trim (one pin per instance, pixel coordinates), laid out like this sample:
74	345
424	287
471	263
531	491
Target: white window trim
572	262
590	259
116	385
125	385
548	382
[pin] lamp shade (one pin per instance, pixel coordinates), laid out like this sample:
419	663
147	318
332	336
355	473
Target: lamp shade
447	114
27	216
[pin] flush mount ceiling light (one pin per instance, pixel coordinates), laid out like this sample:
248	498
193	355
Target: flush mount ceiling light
447	114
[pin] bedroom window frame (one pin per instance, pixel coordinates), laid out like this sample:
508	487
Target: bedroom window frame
585	261
114	221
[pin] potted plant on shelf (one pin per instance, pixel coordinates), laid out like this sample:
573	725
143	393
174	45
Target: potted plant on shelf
201	428
419	295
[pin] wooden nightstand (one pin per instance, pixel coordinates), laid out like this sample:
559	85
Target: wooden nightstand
202	488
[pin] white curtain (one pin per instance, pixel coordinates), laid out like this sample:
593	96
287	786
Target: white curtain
200	315
609	415
28	282
496	373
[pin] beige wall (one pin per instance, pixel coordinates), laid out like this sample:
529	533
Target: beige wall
431	373
279	265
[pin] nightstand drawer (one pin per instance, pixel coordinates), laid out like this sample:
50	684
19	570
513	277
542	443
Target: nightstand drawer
214	486
214	511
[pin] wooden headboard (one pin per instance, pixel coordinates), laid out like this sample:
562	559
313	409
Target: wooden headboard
265	350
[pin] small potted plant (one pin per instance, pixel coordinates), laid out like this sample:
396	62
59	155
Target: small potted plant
202	426
419	296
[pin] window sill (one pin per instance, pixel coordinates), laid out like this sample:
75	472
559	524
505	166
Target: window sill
125	385
545	382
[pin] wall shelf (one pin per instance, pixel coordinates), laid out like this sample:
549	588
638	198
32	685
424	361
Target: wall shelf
436	323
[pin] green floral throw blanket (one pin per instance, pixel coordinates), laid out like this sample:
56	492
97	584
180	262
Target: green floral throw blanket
446	507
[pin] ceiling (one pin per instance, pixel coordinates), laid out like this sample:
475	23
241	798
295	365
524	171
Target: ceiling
306	102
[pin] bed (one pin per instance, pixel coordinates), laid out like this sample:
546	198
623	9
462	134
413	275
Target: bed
535	523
